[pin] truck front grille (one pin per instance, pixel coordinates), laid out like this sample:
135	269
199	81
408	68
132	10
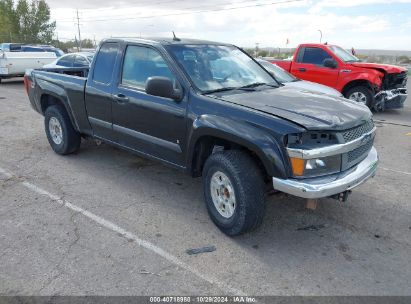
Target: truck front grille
355	156
352	158
357	132
395	81
360	151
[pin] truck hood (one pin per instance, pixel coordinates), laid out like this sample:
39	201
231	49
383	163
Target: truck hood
312	110
390	69
312	86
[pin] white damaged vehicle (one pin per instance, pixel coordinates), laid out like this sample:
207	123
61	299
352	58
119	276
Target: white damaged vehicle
15	64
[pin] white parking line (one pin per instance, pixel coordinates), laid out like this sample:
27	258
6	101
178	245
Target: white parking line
129	235
6	173
396	171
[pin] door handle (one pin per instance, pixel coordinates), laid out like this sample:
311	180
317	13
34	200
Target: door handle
121	98
302	69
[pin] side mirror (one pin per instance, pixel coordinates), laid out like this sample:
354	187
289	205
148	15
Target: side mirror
162	87
330	63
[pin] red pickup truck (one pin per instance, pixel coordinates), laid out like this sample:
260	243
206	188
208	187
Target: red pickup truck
379	86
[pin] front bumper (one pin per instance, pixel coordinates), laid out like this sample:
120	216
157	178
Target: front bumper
391	99
330	185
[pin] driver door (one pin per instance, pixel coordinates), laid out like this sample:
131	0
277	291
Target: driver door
152	125
309	66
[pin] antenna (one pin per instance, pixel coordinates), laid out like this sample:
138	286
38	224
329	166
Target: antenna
175	37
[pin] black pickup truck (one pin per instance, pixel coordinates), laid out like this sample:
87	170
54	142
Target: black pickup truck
211	110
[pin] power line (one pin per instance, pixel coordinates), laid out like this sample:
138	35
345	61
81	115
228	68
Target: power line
193	12
140	6
183	8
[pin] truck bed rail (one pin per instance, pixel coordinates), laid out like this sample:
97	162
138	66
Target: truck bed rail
79	72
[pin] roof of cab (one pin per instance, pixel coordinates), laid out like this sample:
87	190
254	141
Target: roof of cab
166	41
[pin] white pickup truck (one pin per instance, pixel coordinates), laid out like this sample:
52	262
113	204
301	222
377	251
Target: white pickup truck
14	64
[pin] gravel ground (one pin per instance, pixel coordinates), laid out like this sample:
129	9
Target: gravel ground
106	222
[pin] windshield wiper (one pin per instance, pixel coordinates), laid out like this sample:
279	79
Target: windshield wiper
256	84
245	88
249	87
220	90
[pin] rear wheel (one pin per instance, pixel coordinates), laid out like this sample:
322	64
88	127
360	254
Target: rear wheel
360	94
61	135
234	192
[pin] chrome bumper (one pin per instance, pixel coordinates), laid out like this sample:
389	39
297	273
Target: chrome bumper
391	99
330	185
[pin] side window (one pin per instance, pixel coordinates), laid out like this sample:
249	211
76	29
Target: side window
140	63
104	65
315	56
66	61
80	62
32	49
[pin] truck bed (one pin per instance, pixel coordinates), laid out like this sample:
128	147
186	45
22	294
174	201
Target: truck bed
67	84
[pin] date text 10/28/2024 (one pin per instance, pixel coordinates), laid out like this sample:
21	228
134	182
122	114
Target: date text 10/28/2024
202	299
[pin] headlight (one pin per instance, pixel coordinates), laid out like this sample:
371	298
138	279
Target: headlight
316	166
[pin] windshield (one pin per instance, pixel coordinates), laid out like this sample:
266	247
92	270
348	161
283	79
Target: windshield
343	54
278	73
216	68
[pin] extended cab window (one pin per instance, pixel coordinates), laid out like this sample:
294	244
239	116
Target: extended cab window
104	65
140	63
315	56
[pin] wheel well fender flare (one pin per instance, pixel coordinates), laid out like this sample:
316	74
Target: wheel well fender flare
53	94
242	134
359	82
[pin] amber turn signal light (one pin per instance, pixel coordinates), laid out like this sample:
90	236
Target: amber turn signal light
298	166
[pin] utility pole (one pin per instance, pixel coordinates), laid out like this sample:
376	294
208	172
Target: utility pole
321	35
76	41
79	34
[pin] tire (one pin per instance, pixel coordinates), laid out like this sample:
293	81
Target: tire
245	184
66	140
362	92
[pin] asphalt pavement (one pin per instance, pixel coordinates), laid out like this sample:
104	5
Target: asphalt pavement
106	222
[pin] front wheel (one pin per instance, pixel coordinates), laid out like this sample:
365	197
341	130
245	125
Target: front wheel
234	192
360	94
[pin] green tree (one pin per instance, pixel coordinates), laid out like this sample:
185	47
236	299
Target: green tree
34	21
73	44
6	20
28	21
